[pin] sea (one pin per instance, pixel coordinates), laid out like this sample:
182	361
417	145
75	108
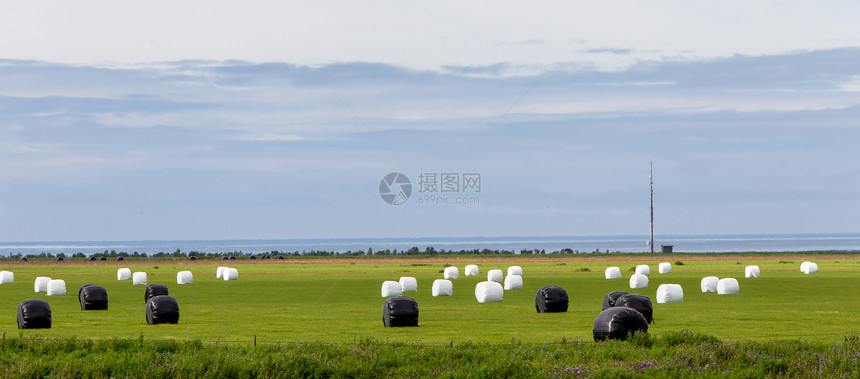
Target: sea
844	242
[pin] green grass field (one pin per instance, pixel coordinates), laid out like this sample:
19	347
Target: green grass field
338	301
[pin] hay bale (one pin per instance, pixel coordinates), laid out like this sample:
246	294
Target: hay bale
184	277
123	274
231	274
551	299
408	284
489	292
41	284
472	270
162	309
670	293
810	268
138	278
610	298
23	259
400	311
60	259
92	297
102	259
643	270
638	281
7	277
92	258
728	286
612	273
515	270
391	288
443	287
617	323
56	287
664	268
709	283
120	259
154	290
495	276
219	272
192	258
752	272
513	282
640	303
34	314
451	273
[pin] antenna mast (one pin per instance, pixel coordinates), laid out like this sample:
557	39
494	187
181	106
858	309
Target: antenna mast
651	178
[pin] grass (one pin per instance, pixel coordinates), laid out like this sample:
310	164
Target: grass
338	301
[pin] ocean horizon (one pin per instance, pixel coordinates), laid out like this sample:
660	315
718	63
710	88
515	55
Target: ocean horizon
845	242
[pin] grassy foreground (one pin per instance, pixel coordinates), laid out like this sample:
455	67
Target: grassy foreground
676	354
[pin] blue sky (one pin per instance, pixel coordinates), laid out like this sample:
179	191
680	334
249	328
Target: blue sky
239	124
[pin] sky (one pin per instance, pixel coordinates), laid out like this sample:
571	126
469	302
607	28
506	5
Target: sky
219	120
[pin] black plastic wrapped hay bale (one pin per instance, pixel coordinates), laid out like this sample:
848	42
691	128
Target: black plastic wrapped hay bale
224	257
616	323
252	257
103	259
60	259
92	258
154	290
34	314
162	309
279	257
93	297
120	258
232	257
610	298
192	258
400	311
23	259
638	302
551	299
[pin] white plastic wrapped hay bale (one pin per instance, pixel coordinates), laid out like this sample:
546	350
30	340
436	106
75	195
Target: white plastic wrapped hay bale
709	283
489	292
41	284
638	281
495	276
408	284
230	274
811	268
184	277
123	274
391	288
613	273
670	293
56	287
515	270
803	266
513	282
643	270
451	273
443	287
219	272
664	268
7	277
138	278
472	270
752	272
728	286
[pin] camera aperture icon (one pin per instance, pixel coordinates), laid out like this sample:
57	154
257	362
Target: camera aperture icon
395	188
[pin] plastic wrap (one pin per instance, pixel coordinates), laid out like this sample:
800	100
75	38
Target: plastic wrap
644	270
34	314
451	273
709	283
640	303
162	309
391	288
551	299
612	273
184	277
489	292
638	281
400	311
408	284
219	272
617	323
123	274
728	286
609	299
92	297
443	287
231	274
495	276
41	284
664	268
515	270
472	270
56	287
670	293
7	277
138	278
752	272
811	268
154	290
513	282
